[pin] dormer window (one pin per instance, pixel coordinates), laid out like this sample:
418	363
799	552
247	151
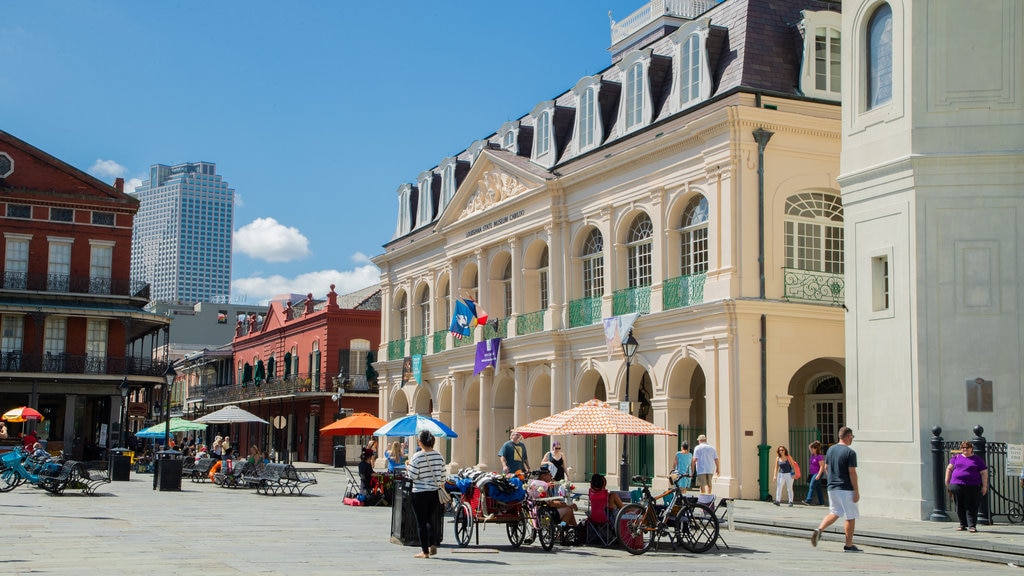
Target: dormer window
635	110
820	76
588	123
543	115
404	210
691	83
543	134
447	182
509	141
510	136
425	212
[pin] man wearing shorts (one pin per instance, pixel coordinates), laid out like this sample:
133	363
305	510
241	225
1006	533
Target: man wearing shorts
843	494
705	464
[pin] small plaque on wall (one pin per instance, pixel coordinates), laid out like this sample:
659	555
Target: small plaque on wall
979	395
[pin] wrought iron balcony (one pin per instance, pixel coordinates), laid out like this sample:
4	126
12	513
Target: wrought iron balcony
683	291
285	386
630	300
530	323
814	286
74	284
396	349
584	311
62	363
501	331
440	338
418	345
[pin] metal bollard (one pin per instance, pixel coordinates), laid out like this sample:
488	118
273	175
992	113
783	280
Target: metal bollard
938	478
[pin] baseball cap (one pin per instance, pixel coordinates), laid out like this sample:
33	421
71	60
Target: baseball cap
548	467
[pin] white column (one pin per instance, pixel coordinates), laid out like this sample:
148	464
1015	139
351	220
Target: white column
488	447
458	423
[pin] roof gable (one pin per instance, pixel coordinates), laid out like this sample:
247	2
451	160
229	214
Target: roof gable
492	181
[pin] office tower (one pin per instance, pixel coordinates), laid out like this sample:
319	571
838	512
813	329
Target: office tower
181	242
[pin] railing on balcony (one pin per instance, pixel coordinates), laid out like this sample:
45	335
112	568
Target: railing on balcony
396	349
440	338
74	284
284	386
499	331
689	9
814	286
630	300
584	311
530	323
460	342
418	345
683	291
63	363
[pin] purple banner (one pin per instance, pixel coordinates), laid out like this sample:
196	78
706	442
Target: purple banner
486	355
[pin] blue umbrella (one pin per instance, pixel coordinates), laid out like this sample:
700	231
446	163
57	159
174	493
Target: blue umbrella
412	424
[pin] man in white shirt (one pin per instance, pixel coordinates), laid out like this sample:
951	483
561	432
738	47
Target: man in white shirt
705	464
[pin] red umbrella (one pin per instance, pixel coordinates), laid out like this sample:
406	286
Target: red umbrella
355	425
22	414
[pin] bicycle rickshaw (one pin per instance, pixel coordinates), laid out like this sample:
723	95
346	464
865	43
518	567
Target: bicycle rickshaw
518	515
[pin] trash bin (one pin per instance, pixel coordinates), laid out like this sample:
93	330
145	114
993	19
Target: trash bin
120	465
339	456
404	529
167	474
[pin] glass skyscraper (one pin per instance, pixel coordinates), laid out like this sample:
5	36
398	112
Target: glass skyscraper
181	242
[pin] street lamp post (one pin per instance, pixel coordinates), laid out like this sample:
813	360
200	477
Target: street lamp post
628	350
124	410
169	376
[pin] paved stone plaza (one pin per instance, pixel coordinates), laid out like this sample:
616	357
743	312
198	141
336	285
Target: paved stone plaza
130	529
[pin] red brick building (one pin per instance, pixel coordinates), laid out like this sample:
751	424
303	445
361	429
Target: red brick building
73	331
290	365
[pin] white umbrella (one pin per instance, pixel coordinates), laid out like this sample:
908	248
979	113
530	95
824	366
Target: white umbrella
230	415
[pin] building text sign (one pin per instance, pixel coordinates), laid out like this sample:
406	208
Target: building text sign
495	223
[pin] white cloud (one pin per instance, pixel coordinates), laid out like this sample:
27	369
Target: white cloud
262	289
266	239
360	258
104	169
131	184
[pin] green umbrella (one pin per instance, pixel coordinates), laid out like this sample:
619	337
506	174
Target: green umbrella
177	425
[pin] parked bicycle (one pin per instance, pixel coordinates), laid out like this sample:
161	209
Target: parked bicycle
20	467
685	521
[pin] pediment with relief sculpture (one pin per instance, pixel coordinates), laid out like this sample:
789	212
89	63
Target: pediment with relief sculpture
494	187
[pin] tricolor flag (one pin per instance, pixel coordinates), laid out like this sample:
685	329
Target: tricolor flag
468	315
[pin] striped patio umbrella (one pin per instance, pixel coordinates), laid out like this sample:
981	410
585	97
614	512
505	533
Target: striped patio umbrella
591	417
21	414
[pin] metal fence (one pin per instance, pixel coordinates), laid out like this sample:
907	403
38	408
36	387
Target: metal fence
1005	494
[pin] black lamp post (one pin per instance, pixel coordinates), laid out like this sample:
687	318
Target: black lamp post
124	410
628	350
169	376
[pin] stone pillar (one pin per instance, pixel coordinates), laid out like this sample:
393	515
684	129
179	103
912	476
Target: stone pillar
488	447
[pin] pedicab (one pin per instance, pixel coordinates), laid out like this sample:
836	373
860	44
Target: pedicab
489	498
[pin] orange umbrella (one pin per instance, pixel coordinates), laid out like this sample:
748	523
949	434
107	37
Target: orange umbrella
591	417
357	424
22	414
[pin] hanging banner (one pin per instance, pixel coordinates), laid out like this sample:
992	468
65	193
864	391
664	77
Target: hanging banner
417	368
406	370
486	355
616	330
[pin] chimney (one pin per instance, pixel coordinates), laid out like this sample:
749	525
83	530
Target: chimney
119	184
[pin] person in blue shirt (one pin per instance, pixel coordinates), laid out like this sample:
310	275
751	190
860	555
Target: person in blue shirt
395	458
684	466
513	455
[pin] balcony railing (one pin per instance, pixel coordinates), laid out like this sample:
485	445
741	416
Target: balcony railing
61	363
460	342
440	338
584	311
530	323
501	331
74	284
284	386
814	286
418	345
689	9
396	349
630	300
683	291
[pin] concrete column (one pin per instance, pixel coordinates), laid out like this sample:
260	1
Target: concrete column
458	423
488	446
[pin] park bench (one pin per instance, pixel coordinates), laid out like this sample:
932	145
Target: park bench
55	478
198	471
237	477
277	479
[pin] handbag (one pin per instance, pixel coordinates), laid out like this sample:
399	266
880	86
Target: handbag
796	468
442	495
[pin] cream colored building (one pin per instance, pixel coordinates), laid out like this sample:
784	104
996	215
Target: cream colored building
932	173
642	189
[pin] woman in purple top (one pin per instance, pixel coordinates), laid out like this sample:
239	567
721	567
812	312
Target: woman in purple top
967	480
814	471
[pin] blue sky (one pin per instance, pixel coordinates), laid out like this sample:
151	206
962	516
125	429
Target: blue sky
314	112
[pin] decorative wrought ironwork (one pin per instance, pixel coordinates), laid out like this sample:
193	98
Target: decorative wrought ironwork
460	342
530	323
396	349
418	345
500	332
584	311
63	363
683	291
440	339
629	300
15	280
74	284
814	286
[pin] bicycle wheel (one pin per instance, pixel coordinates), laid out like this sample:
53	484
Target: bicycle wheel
697	528
517	529
548	520
9	480
634	528
1016	514
463	524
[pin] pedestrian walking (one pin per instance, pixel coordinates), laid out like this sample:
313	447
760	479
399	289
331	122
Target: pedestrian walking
785	473
814	470
705	464
967	479
843	491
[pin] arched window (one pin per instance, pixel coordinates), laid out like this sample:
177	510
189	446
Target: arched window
510	139
542	277
639	248
593	265
447	300
447	185
814	232
690	70
543	133
403	316
879	57
506	281
694	237
635	95
588	119
425	312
